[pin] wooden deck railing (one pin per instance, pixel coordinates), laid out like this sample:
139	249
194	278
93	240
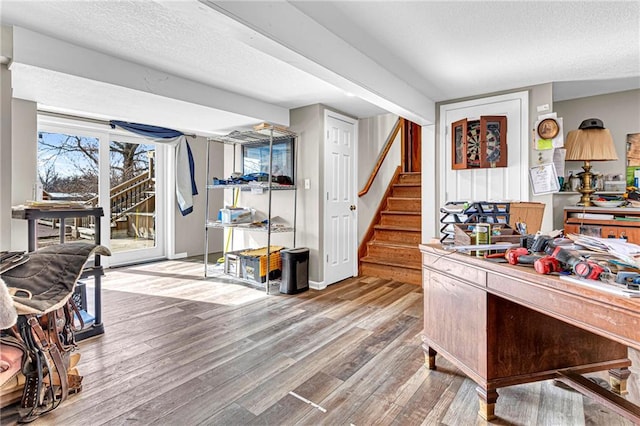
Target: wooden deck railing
124	198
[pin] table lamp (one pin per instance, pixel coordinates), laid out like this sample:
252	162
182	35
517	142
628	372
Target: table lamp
591	142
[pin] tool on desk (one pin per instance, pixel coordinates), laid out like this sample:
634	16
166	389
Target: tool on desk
588	269
630	279
521	227
520	256
547	265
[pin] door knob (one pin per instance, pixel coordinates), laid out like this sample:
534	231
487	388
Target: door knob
352	207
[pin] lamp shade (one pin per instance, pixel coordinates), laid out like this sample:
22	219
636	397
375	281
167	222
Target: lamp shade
590	145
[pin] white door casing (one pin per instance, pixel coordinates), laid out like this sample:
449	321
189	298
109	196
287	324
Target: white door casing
505	183
340	184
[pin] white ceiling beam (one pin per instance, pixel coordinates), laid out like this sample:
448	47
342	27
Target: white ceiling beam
36	50
295	38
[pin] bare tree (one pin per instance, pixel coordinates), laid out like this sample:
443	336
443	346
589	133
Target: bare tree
82	154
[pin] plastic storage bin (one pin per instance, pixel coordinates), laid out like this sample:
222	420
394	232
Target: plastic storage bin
253	264
295	270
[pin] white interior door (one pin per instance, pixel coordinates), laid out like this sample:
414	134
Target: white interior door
340	215
504	183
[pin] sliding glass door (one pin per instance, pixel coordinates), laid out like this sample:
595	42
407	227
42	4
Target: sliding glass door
123	174
134	192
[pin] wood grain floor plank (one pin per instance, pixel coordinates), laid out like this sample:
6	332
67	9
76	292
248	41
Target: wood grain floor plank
232	414
521	401
208	406
427	397
260	398
360	385
183	350
559	406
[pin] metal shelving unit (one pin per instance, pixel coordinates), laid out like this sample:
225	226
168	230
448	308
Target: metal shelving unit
266	133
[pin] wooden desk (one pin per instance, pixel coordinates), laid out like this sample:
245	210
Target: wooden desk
504	325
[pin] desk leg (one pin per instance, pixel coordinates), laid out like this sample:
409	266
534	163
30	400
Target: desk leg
618	380
32	237
487	399
429	357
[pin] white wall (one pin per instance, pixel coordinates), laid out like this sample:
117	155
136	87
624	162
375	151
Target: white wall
620	113
189	230
372	135
538	95
5	157
24	137
308	123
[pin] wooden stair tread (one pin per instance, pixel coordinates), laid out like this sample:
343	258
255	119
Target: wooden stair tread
408	184
401	212
392	244
378	261
397	228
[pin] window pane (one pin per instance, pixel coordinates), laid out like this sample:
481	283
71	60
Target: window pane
68	171
132	183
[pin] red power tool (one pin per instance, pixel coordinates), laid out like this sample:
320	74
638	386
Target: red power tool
557	259
547	264
588	269
520	256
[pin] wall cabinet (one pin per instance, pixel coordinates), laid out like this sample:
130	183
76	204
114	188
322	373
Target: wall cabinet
479	143
613	223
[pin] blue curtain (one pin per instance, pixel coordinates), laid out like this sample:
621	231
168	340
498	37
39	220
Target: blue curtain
146	130
185	166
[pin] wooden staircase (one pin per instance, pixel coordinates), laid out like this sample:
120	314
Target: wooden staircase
392	247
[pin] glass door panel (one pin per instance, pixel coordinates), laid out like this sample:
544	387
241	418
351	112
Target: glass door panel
132	183
68	174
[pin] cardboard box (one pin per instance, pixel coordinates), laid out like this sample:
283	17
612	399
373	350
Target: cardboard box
232	215
232	263
529	213
463	234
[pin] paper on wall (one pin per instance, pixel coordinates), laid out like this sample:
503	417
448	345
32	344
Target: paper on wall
559	156
544	179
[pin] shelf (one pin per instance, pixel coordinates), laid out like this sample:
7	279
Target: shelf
249	187
595	193
248	227
255	136
263	136
274	284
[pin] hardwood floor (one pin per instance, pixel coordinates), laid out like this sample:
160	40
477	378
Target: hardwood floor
182	350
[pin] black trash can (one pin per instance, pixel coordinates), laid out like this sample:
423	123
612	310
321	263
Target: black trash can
295	270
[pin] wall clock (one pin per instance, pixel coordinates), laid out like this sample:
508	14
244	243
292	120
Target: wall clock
479	143
548	128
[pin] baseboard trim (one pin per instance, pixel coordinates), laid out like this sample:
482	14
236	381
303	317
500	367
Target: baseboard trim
317	285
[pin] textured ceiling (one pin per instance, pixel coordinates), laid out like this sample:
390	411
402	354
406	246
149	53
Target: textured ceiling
444	50
455	49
